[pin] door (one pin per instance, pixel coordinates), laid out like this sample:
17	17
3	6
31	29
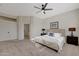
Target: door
26	30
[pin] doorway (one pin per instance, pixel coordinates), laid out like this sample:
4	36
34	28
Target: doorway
26	31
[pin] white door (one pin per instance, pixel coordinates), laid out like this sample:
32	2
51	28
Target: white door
8	30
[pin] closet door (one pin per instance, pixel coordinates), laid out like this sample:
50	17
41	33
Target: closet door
8	30
3	31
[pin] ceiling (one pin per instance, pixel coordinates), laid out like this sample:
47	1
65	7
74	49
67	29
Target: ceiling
27	9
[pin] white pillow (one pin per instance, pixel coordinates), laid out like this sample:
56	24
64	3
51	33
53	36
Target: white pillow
57	34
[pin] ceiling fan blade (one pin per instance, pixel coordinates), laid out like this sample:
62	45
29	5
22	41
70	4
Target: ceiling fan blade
48	9
45	5
37	7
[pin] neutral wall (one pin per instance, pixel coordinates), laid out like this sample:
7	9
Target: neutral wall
21	20
8	29
66	20
36	26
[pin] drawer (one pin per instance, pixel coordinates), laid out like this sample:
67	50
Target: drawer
72	40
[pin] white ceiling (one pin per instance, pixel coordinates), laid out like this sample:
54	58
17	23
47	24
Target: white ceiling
27	9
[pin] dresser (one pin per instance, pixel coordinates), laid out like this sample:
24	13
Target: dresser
72	40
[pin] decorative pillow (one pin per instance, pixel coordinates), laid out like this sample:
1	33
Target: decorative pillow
50	34
57	35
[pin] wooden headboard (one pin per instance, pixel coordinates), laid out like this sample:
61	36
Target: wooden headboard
57	31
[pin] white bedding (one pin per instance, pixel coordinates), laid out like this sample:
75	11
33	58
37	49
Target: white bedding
48	39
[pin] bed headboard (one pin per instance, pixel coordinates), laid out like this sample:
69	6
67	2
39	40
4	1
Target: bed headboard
57	31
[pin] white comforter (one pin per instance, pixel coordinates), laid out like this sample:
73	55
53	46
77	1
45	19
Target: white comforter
46	39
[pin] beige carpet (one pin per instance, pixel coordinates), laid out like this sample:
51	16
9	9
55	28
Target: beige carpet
27	48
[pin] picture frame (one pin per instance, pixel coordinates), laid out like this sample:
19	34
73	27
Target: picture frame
54	25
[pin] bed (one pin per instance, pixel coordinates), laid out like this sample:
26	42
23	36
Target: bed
56	42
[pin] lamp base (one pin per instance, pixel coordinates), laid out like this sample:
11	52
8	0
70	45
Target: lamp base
72	34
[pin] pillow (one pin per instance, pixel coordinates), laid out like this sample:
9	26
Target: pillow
50	33
57	35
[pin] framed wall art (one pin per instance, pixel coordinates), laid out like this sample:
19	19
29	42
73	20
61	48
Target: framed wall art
54	25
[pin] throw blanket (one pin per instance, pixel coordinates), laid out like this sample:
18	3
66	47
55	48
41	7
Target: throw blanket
48	39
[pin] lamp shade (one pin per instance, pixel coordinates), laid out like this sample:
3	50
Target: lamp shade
72	29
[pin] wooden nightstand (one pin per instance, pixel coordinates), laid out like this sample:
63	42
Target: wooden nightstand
72	40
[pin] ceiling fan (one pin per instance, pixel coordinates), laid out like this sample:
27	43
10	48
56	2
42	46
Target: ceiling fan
43	8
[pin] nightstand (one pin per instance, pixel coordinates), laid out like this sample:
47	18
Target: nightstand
43	34
72	40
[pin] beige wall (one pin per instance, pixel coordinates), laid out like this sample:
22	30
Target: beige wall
21	20
8	29
36	26
66	20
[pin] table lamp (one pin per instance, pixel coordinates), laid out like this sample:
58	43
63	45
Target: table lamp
72	29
